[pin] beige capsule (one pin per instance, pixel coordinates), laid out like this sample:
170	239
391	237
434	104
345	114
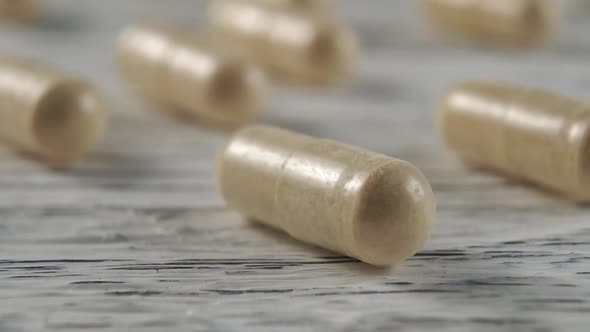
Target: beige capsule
19	10
46	112
183	71
304	6
293	46
353	201
516	23
530	134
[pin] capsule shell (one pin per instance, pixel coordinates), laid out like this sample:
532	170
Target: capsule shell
303	6
19	10
513	23
185	72
46	112
356	202
530	134
293	46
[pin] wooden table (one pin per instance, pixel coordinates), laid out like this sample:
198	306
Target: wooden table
137	238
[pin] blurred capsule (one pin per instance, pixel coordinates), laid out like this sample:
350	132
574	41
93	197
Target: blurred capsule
304	6
19	10
516	23
46	112
530	134
297	47
178	69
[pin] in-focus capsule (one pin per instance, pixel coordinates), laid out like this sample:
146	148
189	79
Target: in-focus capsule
19	10
530	134
356	202
296	47
184	72
46	112
517	23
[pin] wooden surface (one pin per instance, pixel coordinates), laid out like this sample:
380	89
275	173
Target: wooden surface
137	238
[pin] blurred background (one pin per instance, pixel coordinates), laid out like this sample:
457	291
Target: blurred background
405	64
146	200
404	68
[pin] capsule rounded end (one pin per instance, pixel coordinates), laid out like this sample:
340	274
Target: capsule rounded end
394	214
445	106
586	172
312	7
442	110
580	135
538	22
236	94
69	121
19	11
307	6
332	53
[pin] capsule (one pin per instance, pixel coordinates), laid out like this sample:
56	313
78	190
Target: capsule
529	134
356	202
19	10
182	71
48	113
303	6
292	46
516	23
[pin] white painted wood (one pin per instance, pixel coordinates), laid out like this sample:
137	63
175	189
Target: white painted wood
137	238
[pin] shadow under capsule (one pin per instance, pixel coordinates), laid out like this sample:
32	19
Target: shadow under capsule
184	116
322	257
301	125
109	161
59	22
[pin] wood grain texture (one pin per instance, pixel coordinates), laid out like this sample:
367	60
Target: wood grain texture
137	238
